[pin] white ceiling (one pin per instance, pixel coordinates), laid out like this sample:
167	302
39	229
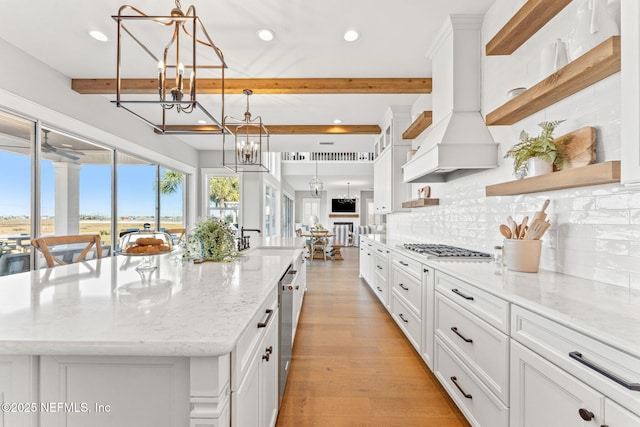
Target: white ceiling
394	37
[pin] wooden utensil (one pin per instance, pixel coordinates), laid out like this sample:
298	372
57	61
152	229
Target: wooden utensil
523	225
513	225
540	215
505	231
537	229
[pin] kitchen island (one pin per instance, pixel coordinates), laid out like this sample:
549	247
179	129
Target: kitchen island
172	347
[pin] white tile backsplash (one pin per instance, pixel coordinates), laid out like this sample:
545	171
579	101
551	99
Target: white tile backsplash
598	228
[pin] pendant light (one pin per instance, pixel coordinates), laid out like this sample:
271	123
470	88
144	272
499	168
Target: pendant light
315	185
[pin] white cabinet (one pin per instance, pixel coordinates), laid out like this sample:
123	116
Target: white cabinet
545	395
630	81
254	370
389	191
366	260
18	384
299	288
617	416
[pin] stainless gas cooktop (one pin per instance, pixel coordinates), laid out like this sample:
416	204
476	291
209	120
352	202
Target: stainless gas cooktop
446	251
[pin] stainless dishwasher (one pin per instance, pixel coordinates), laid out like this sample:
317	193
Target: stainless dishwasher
285	330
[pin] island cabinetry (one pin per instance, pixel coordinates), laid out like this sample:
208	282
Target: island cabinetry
299	287
472	349
553	363
254	370
18	383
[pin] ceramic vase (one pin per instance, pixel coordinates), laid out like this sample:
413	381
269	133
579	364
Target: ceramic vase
552	58
537	166
594	25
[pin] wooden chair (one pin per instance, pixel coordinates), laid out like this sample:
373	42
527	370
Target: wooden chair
319	243
44	244
181	232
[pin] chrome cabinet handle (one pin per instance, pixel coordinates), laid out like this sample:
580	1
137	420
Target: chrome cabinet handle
576	355
455	331
404	263
457	292
402	286
464	393
266	321
403	319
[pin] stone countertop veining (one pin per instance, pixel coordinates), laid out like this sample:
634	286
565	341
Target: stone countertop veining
100	307
605	312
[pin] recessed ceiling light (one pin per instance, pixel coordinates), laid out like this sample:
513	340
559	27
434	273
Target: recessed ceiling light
265	35
337	121
351	35
99	36
202	122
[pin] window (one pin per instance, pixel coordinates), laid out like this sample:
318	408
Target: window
287	216
224	198
137	189
370	213
269	211
310	207
16	144
171	198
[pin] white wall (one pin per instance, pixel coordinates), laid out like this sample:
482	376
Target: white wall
597	228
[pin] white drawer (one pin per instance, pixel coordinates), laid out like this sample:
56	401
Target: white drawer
482	347
474	399
409	287
407	320
489	308
246	346
556	342
380	265
407	264
381	289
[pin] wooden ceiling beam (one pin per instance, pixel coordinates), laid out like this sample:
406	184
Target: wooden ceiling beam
285	129
265	86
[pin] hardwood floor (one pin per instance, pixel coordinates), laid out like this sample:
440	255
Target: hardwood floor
351	365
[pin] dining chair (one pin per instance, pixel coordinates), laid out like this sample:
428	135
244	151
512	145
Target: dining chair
45	244
319	243
180	232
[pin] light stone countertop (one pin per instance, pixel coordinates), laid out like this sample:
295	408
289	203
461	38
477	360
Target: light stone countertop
100	308
608	313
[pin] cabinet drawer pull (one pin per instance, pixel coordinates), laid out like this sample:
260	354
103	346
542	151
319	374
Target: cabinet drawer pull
379	268
586	414
627	384
379	288
269	349
426	270
265	357
455	331
403	319
266	321
457	292
404	263
464	393
402	286
379	250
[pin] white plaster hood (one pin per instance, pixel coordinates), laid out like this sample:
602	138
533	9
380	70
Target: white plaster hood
459	138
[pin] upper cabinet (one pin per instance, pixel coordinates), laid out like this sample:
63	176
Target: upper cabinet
389	190
630	119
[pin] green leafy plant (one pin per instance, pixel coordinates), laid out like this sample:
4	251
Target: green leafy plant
542	146
212	239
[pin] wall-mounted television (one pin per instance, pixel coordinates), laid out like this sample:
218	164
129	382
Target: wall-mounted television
343	205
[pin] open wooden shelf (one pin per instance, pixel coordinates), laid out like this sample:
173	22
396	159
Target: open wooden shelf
526	22
418	126
595	65
596	174
420	203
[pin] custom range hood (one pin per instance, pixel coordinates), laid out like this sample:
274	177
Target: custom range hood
459	138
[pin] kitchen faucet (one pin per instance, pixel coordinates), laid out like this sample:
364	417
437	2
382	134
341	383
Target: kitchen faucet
243	241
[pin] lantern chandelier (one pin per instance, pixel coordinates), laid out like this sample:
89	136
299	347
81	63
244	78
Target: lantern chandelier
347	198
171	44
316	186
251	142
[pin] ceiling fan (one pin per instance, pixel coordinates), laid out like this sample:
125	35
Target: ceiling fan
48	148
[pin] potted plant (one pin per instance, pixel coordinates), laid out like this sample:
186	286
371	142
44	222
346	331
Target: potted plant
211	239
539	154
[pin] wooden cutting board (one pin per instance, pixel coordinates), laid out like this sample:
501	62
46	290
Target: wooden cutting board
581	149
